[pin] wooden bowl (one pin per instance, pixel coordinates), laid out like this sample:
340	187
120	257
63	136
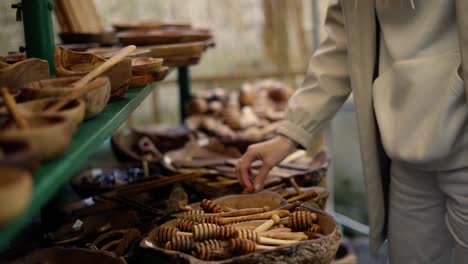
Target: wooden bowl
70	63
163	36
74	110
49	136
13	58
320	250
15	192
15	76
161	74
60	255
18	153
144	65
257	200
95	100
149	24
178	61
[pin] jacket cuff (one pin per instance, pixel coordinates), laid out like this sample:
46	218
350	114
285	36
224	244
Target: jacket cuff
296	134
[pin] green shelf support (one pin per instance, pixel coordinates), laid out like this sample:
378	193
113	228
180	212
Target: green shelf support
38	30
184	89
53	175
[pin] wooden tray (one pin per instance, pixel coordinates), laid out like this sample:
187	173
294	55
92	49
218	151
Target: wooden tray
158	36
104	38
183	49
15	76
320	250
69	63
149	24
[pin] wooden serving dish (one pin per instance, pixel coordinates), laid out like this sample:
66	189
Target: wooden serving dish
15	192
95	100
86	183
149	24
163	36
145	79
74	110
18	153
319	249
15	76
49	136
60	255
145	65
70	63
183	49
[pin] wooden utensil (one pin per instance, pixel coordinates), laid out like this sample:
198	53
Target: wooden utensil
91	75
251	235
13	108
275	219
262	216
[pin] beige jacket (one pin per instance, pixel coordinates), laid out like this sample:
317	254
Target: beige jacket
346	62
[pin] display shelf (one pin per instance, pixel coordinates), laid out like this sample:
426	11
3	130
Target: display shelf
54	174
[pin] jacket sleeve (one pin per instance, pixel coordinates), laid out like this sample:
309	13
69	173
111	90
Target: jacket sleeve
326	86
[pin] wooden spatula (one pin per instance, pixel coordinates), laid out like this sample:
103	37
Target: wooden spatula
11	105
80	85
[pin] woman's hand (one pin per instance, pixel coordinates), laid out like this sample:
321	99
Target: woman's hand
271	153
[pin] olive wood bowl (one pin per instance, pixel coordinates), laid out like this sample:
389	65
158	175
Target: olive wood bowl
70	63
15	76
49	136
144	65
15	192
95	100
18	153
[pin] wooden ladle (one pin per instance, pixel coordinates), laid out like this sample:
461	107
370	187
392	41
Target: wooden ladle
11	105
80	85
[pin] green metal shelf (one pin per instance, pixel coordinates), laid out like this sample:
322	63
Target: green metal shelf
53	175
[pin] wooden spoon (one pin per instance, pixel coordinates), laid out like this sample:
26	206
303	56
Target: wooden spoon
13	108
79	85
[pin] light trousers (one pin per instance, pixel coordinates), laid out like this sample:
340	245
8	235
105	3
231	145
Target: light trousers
428	219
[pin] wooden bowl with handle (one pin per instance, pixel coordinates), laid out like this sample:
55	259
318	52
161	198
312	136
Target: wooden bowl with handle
18	153
95	100
49	136
70	63
15	192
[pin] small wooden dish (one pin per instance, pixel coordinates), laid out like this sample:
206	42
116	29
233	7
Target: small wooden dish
141	80
15	76
145	65
18	153
95	100
15	192
163	36
149	24
49	136
161	74
70	63
178	61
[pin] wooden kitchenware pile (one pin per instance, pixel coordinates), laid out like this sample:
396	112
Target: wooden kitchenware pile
217	232
249	115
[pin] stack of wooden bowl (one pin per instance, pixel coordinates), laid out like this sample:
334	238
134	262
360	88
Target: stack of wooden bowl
259	228
249	115
179	44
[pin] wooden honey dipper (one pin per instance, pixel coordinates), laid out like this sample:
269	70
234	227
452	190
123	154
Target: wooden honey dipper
254	236
210	207
10	103
185	225
181	243
164	234
215	249
199	215
237	219
300	220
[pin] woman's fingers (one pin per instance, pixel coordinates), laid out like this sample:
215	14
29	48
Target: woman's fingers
259	181
243	169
